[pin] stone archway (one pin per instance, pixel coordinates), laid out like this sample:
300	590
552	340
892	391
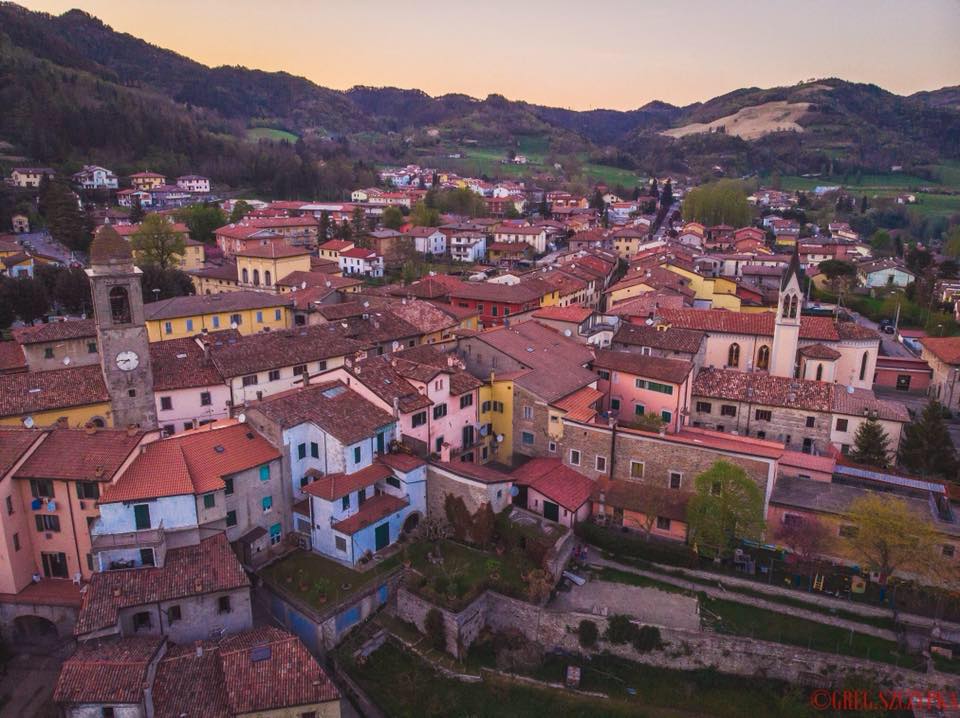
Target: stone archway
411	522
35	630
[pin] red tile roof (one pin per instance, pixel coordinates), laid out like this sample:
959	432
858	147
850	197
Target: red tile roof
403	463
476	472
763	389
554	480
13	445
180	364
719	320
336	245
207	567
55	331
373	510
272	251
334	486
571	313
819	351
580	405
31	392
194	462
94	455
107	672
192	305
946	349
674	371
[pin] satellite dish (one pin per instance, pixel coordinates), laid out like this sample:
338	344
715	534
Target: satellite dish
66	361
499	438
241	417
649	322
28	422
483	430
567	333
850	389
514	491
233	325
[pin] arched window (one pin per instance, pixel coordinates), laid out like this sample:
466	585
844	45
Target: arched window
266	277
819	372
119	305
733	355
785	312
763	357
246	276
863	366
98	422
794	306
256	277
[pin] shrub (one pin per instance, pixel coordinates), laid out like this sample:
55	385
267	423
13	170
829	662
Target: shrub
435	629
440	584
620	629
647	639
587	633
458	516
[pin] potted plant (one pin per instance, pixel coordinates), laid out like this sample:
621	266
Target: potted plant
322	587
407	563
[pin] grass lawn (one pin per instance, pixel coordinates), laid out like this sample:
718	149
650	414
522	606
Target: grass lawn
466	572
322	576
268	133
741	620
947	665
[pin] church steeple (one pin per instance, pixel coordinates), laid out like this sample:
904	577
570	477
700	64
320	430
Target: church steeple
786	330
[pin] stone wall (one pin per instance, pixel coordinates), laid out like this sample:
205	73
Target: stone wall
460	629
63	617
539	425
786	424
474	495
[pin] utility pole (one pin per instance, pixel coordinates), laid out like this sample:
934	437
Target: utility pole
896	320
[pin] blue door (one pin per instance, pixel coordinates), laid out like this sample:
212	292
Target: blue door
381	535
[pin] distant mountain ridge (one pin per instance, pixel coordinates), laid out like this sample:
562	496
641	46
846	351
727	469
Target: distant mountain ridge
853	124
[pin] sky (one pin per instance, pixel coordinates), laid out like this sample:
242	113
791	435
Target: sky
617	54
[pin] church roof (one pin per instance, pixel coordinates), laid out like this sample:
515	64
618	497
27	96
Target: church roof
109	246
792	270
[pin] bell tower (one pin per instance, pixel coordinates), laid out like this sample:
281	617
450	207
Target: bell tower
786	329
121	332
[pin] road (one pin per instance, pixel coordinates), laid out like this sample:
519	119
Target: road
43	243
889	346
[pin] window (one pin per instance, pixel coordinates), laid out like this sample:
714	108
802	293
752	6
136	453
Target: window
466	400
439	411
552	447
842	424
704	407
174	614
85	490
166	403
277	313
498	406
48	522
314	450
639	409
574	457
485	406
322	365
205	399
9	502
301	451
663	523
16	542
948	550
863	366
189	325
299	369
848	531
763	415
614	404
394	482
168	327
526	438
792	520
603	374
267	503
728	410
216	322
265	472
276	533
246	275
528	412
41	488
141	621
653	386
763	357
761	435
807	445
811	421
601	463
228	487
209	500
419	419
341	543
259	314
666	416
223	604
676	478
48	353
357	454
107	712
494	310
250	380
345	502
819	372
119	305
733	355
274	375
236	319
91	347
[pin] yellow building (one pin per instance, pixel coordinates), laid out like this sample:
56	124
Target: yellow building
721	292
147	180
74	396
194	254
249	312
331	250
262	267
496	409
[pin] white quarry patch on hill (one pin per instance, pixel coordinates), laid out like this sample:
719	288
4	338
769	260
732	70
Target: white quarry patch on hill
751	122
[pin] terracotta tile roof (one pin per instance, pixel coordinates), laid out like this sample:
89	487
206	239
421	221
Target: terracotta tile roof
108	246
636	496
373	510
521	293
207	567
424	316
273	251
239	356
13	445
403	463
93	456
191	463
557	482
317	279
764	389
673	371
819	351
31	392
852	330
359	253
461	381
332	406
761	324
946	349
193	305
427	288
381	377
224	269
12	358
336	245
647	304
686	341
571	313
863	401
334	486
483	473
379	327
180	364
55	331
580	404
113	672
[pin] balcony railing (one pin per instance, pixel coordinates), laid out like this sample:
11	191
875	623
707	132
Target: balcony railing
144	538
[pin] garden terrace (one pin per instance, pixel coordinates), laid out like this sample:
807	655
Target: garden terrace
319	582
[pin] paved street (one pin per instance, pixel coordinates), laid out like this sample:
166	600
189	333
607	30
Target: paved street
44	244
889	346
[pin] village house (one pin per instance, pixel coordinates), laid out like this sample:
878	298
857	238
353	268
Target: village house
536	237
194	183
251	231
429	240
553	490
884	273
30	177
146	181
359	262
942	354
249	312
465	244
188	387
95	177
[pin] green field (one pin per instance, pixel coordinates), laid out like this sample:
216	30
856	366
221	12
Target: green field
268	133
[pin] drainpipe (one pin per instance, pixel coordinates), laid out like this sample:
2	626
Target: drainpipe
73	527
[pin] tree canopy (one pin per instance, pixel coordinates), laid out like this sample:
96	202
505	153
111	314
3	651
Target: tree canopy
871	445
158	242
726	506
926	447
423	216
721	202
392	218
202	220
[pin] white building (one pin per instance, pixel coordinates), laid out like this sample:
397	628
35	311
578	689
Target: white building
95	177
429	240
361	262
194	183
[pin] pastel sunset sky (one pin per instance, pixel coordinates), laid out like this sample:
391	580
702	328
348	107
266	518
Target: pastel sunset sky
608	53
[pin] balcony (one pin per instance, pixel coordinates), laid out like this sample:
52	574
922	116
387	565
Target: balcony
144	538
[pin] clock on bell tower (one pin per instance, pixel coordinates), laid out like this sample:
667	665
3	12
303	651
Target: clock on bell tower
121	332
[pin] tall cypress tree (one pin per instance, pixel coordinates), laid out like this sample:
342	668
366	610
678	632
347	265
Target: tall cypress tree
871	445
926	447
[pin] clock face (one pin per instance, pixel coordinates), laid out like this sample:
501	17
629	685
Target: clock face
127	360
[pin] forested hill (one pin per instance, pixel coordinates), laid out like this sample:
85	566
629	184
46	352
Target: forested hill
81	92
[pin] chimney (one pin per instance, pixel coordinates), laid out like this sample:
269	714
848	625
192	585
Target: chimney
89	428
132	429
198	647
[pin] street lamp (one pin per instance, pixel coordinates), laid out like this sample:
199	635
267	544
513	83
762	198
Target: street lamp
941	328
156	294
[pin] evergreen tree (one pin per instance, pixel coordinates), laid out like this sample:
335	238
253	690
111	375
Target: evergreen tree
324	231
30	300
596	202
871	445
666	195
240	210
544	210
654	190
358	221
202	220
926	447
392	218
863	204
136	211
67	223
